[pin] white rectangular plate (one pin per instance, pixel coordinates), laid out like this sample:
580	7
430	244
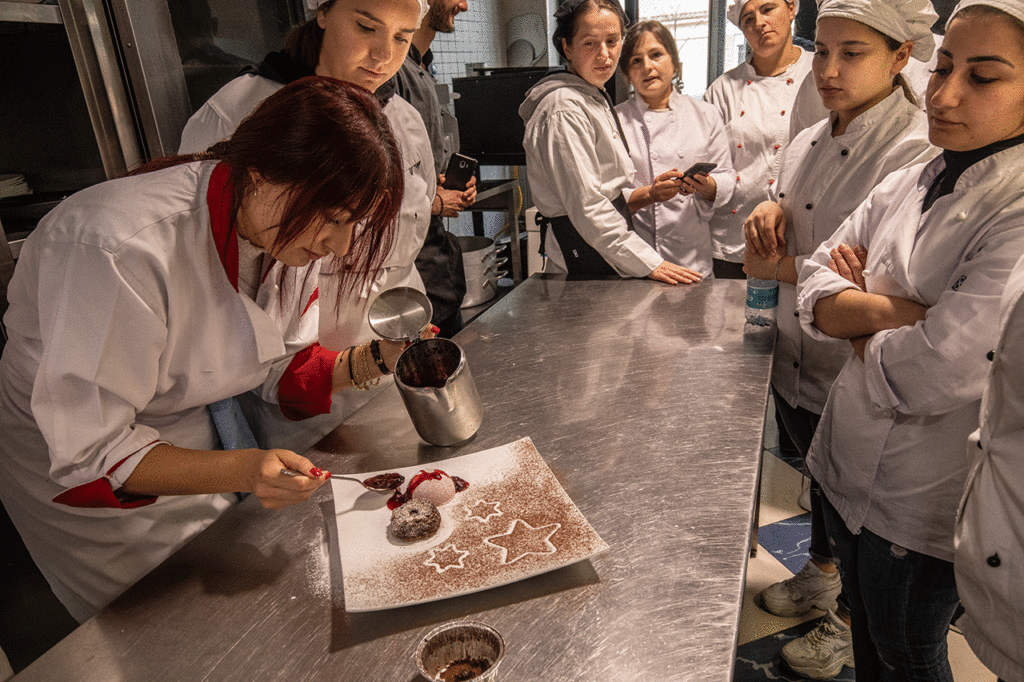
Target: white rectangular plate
513	521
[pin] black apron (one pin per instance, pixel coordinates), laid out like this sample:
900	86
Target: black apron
582	260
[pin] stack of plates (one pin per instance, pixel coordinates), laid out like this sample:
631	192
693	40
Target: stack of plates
13	185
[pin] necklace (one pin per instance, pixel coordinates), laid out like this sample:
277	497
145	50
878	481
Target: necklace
793	50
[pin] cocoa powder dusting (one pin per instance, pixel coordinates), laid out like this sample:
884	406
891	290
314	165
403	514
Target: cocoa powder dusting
530	493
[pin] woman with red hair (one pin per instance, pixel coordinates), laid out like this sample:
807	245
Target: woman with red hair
133	308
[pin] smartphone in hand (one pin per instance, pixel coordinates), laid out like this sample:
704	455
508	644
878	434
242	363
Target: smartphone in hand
459	172
699	169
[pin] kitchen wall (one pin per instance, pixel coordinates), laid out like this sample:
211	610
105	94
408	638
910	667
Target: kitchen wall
478	38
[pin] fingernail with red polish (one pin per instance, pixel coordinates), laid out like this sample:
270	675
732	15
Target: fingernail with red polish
436	330
327	475
316	472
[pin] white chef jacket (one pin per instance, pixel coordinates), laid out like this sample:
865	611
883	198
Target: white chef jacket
124	325
346	324
686	132
990	526
576	166
822	180
757	111
218	118
889	449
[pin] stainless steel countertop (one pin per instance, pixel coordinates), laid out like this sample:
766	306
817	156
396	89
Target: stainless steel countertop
648	404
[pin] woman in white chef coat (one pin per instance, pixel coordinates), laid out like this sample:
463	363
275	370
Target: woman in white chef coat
576	158
921	312
874	128
134	306
989	553
362	42
667	133
757	99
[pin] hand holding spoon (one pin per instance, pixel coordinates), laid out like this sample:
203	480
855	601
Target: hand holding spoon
383	483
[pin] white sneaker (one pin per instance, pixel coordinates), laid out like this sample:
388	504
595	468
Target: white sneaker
822	652
809	588
805	495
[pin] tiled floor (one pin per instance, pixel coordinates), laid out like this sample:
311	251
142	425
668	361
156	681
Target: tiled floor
782	551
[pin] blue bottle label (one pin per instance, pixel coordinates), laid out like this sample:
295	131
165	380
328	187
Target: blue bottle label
762	298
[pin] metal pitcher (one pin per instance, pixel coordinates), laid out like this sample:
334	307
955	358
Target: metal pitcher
434	381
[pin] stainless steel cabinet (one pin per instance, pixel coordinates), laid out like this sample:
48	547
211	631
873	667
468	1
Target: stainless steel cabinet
93	88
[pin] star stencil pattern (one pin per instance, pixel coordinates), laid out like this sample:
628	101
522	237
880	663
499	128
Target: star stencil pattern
481	511
522	539
447	557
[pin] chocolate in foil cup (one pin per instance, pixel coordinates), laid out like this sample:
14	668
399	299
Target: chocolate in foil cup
461	651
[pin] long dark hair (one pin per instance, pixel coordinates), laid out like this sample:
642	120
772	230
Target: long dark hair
331	144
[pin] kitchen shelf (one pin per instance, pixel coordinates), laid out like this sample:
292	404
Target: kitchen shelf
27	13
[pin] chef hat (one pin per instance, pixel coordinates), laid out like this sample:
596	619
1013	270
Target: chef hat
1014	9
736	8
901	20
315	4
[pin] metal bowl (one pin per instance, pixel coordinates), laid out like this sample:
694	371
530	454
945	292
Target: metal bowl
473	646
400	313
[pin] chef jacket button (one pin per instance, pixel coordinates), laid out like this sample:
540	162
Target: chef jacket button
734	210
782	195
777	146
772	181
961	216
814	142
783	112
739	146
749	82
796	313
737	178
990	355
994	560
809	206
844	152
796	365
789	81
742	112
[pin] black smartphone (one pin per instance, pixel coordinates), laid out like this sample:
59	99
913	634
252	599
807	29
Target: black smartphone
459	172
699	169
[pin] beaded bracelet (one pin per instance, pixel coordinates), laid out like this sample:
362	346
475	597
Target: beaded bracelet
378	359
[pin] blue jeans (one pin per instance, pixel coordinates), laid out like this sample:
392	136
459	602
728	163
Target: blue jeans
901	603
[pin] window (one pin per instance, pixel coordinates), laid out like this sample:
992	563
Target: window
688	21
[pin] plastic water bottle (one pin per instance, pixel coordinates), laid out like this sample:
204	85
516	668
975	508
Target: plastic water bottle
762	302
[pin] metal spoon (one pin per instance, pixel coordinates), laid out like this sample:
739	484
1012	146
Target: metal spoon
383	483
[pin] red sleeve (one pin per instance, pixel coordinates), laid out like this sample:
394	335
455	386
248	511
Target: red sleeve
305	387
100	494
